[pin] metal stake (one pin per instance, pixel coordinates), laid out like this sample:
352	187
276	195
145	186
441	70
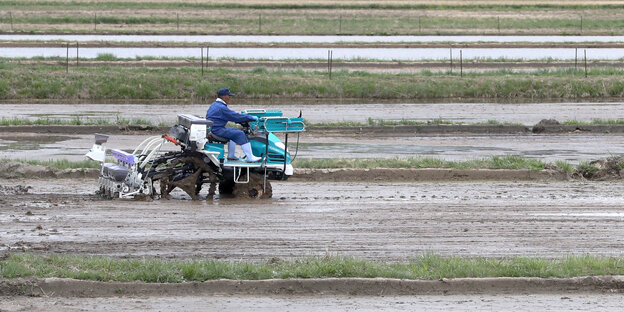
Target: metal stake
77	61
585	57
328	69
581	23
178	21
259	22
285	150
340	25
461	64
11	18
419	24
202	60
451	58
499	24
575	57
67	59
95	21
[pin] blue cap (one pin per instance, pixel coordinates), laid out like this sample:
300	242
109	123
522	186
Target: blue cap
224	91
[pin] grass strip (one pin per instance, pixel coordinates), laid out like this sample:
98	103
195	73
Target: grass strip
407	122
596	121
179	5
76	121
60	163
305	25
111	83
426	266
495	162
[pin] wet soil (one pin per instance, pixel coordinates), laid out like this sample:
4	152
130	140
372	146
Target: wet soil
326	110
375	220
563	301
354	142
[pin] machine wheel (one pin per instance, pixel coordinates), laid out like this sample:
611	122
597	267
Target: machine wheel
254	189
185	173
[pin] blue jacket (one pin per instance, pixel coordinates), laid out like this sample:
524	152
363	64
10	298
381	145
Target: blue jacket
220	114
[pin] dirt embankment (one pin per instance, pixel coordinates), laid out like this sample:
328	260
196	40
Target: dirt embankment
598	170
543	127
331	286
18	170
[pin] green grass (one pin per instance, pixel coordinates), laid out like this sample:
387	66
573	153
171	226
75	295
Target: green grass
429	267
564	166
60	163
76	121
172	5
52	82
595	122
496	162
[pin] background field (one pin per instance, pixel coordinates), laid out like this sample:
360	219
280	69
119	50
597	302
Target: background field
315	17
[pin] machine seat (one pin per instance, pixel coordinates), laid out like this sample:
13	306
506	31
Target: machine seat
213	138
117	172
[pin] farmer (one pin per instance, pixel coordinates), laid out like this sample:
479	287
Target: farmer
220	114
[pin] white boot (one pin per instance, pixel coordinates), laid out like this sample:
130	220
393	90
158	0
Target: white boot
250	156
232	151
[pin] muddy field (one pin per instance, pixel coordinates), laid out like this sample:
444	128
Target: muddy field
327	110
571	147
549	302
374	220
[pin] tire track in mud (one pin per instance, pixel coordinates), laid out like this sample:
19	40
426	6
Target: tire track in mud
382	221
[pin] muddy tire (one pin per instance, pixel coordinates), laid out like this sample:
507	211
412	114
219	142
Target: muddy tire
254	189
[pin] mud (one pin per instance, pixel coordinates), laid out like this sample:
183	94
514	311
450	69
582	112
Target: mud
60	287
564	301
326	110
374	220
18	170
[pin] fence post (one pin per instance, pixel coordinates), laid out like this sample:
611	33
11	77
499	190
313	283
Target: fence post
419	25
461	64
77	61
177	21
340	25
329	57
499	24
67	59
11	18
451	58
581	23
202	60
585	57
575	58
259	22
95	21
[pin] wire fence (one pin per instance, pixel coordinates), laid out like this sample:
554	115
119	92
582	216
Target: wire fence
456	61
303	23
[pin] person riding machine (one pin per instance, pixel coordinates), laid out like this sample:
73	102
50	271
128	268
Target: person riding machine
220	114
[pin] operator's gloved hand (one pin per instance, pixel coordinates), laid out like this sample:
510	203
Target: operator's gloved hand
255	118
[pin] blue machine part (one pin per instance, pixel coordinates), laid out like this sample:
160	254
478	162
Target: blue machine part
263	113
216	147
276	148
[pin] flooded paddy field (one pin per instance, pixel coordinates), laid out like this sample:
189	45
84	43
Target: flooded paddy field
398	54
381	221
308	39
573	148
332	111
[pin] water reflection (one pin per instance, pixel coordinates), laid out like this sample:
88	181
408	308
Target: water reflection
399	54
310	39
